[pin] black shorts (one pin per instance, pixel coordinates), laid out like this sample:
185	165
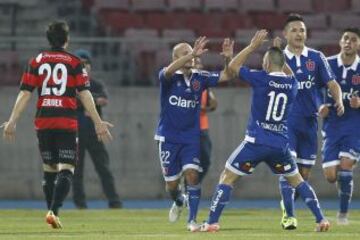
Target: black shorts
58	146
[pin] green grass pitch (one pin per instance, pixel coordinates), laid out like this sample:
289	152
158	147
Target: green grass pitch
152	224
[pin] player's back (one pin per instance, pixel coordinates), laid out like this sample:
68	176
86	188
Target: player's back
272	100
57	75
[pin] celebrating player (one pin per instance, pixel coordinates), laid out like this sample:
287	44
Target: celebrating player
341	148
58	76
266	138
313	72
178	130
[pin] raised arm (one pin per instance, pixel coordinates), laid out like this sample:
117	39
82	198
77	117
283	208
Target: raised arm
242	56
22	101
198	49
227	53
101	127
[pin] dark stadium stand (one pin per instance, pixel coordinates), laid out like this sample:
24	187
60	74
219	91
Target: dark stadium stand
153	26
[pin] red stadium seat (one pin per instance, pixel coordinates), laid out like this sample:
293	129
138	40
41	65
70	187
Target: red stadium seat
331	6
112	4
341	21
119	21
165	20
233	21
269	21
355	6
304	6
215	33
221	5
146	5
179	34
315	21
257	6
184	4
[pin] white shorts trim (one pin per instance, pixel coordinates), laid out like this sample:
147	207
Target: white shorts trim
191	166
331	163
293	154
290	174
172	178
234	170
249	139
159	138
348	155
305	161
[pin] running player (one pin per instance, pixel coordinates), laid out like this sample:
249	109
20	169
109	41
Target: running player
341	149
266	138
313	72
58	76
178	131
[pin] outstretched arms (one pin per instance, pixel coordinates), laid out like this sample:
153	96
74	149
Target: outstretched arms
242	56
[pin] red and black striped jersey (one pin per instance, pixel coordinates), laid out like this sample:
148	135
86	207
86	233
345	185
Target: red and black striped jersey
57	75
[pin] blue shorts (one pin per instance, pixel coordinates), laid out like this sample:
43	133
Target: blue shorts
303	140
248	155
335	147
176	158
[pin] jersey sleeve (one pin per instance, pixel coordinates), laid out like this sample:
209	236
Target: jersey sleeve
326	74
81	78
29	79
250	75
212	78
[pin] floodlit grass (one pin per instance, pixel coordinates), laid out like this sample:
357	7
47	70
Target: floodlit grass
152	224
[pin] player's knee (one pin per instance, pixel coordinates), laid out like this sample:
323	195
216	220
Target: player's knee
171	186
331	178
305	173
227	177
192	176
346	164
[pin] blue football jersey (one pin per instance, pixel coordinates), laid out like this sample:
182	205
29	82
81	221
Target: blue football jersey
348	78
180	105
272	99
312	72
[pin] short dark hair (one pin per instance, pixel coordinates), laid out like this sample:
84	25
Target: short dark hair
276	56
57	33
293	17
352	30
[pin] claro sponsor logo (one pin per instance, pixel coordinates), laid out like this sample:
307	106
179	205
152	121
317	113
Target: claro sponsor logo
307	84
347	95
180	102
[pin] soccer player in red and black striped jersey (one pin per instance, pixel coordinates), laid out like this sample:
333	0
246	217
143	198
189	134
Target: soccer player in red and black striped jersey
58	77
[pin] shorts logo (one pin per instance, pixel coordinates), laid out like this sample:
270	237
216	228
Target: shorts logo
355	80
196	85
310	65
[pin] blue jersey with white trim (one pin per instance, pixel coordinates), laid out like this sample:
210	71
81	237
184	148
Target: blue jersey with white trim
348	78
312	72
180	105
272	99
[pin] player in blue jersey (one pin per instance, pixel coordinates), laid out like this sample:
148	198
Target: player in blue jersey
266	138
313	73
341	146
178	130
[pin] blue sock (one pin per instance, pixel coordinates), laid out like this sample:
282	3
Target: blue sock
308	195
194	193
345	186
287	194
220	198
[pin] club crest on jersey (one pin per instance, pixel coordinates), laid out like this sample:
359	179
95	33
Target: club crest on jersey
355	80
196	85
310	65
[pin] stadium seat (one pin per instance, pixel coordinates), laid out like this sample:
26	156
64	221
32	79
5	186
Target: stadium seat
257	6
179	34
269	21
184	4
118	21
326	37
221	5
146	5
234	21
315	21
215	33
112	4
244	35
341	21
355	6
331	6
305	6
140	33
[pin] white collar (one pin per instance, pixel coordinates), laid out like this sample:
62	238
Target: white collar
290	55
353	66
193	70
278	74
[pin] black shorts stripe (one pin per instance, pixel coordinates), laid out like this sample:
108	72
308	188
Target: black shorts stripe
27	87
56	112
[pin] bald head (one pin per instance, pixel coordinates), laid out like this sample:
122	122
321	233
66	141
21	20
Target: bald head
180	50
